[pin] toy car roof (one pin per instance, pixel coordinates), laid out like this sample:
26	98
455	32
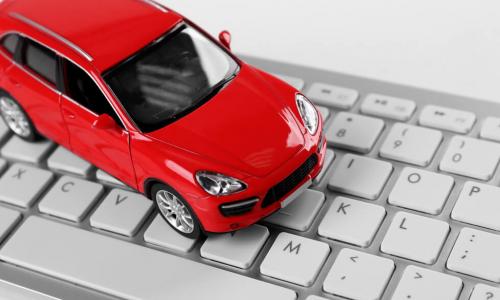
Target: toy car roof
105	31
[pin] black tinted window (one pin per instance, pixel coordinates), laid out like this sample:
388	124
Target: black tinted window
171	78
10	43
41	60
81	88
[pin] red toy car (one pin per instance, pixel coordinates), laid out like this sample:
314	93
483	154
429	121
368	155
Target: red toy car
149	97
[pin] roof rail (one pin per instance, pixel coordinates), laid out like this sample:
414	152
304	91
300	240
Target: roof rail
51	33
156	5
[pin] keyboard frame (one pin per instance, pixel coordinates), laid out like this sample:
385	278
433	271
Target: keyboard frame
481	108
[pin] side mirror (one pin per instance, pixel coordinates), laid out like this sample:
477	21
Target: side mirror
225	39
104	121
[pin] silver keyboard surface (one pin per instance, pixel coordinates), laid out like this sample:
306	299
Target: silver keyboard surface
407	207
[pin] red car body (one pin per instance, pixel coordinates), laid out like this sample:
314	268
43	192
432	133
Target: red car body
250	130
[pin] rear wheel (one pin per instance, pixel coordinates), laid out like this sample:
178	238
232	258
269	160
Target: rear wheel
175	210
16	119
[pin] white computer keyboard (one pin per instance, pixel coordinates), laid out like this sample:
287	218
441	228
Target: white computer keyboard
407	207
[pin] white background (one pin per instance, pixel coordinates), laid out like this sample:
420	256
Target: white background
449	45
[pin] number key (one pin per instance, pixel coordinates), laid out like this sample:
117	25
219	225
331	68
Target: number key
354	132
411	144
471	157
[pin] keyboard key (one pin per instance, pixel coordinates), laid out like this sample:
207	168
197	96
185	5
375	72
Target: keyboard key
64	160
11	291
419	283
300	214
159	233
415	237
295	259
122	212
471	157
490	129
354	132
70	198
104	264
297	83
475	253
358	275
238	249
105	177
411	144
331	95
324	112
329	157
388	107
478	204
421	190
312	297
447	118
21	185
360	176
8	218
485	292
21	150
352	221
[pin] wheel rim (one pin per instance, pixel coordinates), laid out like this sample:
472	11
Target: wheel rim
15	117
174	211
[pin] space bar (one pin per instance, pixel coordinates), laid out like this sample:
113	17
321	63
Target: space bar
124	269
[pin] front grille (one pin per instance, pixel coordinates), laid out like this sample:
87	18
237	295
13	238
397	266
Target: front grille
285	186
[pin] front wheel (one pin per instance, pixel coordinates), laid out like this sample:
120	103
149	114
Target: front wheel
175	210
16	119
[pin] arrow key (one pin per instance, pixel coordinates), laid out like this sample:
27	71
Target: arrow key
357	275
418	283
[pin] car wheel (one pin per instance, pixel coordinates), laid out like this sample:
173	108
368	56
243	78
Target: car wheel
16	119
176	211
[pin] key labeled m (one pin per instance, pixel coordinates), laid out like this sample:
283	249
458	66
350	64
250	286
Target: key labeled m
291	248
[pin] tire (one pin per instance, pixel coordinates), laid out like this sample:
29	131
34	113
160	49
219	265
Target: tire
17	120
170	205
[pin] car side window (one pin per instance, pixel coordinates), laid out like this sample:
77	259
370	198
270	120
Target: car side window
41	60
80	87
10	42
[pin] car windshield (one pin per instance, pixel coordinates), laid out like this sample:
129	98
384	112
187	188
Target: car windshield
170	78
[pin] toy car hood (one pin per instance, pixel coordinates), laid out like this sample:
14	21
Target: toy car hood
249	125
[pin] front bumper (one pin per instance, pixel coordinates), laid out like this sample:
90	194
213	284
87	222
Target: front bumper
263	195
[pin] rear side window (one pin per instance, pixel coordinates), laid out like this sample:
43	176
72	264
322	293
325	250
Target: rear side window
41	60
10	42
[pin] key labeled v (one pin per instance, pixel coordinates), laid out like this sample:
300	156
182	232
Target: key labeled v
120	199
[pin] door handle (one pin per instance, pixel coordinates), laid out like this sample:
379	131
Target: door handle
69	114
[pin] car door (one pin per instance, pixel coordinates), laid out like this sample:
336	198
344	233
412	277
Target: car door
8	46
33	81
82	104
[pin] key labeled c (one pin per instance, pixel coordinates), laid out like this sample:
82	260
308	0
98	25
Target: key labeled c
66	187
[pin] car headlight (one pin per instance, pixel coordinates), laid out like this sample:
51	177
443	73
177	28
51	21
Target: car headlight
218	185
308	113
